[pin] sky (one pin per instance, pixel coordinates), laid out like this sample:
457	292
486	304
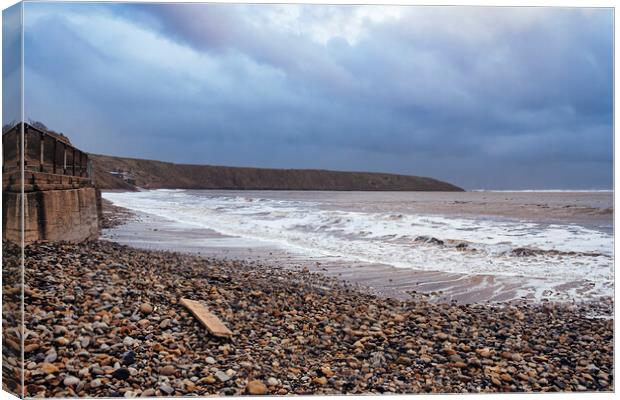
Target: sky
484	98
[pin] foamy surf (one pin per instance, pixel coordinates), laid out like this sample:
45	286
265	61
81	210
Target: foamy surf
567	261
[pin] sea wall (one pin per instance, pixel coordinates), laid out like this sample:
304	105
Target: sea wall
61	211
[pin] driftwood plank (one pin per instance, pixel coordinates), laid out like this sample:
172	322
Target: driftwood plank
210	321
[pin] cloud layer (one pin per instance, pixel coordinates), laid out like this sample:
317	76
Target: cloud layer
481	97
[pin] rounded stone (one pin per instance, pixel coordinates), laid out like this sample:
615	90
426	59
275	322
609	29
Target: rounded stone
167	370
146	308
121	373
256	387
71	381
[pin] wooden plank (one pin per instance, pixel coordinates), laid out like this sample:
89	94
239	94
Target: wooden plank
210	321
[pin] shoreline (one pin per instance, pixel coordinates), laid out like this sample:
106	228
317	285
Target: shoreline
505	205
297	332
150	232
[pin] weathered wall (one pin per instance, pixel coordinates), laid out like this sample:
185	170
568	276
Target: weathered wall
56	208
53	215
10	217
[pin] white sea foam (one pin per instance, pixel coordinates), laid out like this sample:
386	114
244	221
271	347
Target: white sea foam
568	253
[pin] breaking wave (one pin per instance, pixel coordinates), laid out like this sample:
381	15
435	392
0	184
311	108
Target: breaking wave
557	252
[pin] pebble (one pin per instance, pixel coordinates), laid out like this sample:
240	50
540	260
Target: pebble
68	299
146	308
295	334
222	376
256	387
71	381
51	356
167	370
49	368
166	388
320	380
485	353
128	358
121	373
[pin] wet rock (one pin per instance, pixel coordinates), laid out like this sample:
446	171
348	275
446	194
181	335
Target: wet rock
429	240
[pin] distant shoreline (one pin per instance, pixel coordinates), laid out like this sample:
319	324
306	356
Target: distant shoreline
131	173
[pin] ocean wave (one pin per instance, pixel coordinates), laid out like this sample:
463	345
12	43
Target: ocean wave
559	252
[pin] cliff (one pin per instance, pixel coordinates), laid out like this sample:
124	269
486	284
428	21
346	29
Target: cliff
163	175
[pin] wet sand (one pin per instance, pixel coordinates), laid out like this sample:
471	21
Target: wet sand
592	209
150	232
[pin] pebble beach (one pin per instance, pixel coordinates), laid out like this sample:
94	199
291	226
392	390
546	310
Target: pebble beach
105	320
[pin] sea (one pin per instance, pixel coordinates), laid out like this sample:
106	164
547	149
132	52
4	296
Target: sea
478	246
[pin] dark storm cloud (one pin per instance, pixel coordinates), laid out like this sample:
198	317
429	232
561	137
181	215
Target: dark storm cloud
481	97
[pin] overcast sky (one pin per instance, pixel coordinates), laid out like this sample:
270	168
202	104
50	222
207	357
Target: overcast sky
495	98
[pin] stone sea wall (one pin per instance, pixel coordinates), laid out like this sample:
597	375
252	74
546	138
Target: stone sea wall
55	209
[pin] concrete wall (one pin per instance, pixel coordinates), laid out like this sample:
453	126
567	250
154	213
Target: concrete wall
55	209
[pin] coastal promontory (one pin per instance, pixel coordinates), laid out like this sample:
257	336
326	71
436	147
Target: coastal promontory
128	173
